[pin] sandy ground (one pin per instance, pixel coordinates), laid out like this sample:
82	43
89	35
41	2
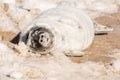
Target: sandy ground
102	45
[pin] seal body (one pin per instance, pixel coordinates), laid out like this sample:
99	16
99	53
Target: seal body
65	29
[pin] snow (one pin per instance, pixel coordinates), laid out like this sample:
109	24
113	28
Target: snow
18	63
16	14
6	22
104	7
54	66
100	6
40	4
16	75
4	50
116	65
118	1
116	62
8	1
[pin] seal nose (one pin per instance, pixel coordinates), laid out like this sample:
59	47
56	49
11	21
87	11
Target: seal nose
44	39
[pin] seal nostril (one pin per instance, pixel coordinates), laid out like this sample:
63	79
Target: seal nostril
42	36
41	40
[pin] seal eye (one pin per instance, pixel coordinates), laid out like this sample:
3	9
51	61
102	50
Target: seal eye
42	36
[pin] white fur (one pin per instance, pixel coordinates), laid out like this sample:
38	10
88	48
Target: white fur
69	23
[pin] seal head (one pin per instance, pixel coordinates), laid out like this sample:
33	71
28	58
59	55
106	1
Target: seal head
39	39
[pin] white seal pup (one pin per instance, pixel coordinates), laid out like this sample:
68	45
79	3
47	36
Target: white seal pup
65	29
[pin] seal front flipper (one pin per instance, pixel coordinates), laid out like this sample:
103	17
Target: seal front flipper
76	53
16	39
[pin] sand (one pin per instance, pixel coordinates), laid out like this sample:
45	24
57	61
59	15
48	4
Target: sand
103	45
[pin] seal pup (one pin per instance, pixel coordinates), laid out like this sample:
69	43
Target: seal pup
65	29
